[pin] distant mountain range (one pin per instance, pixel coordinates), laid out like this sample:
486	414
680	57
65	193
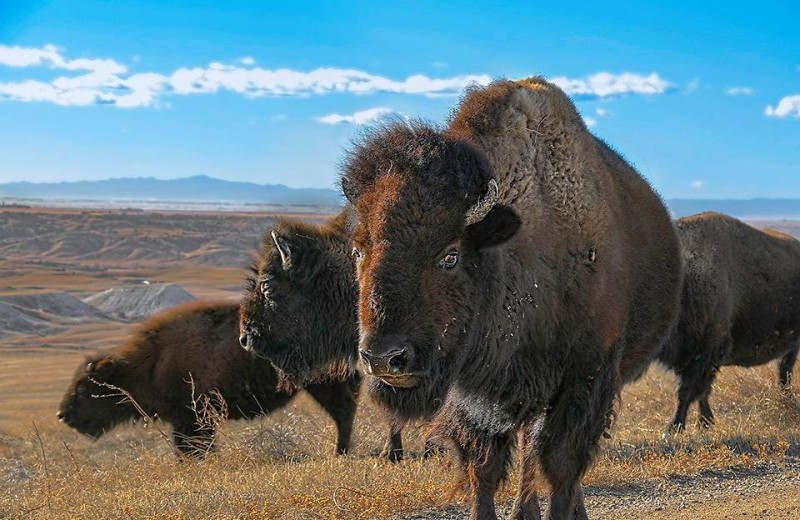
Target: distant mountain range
199	188
205	189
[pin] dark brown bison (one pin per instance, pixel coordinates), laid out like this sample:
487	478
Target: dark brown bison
740	305
194	344
514	271
298	309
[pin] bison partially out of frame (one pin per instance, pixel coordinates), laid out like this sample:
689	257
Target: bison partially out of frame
179	367
740	305
514	273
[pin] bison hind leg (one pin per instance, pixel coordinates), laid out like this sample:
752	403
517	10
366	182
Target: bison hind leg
786	369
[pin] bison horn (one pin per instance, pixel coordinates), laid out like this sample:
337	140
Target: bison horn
283	249
482	208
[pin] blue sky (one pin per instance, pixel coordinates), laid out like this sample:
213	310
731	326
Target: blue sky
703	100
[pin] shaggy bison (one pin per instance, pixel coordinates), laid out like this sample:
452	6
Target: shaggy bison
514	272
191	344
299	305
740	305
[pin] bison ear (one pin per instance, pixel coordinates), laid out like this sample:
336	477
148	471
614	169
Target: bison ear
105	365
498	226
283	248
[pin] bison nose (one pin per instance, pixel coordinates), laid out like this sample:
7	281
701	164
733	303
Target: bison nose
393	358
60	415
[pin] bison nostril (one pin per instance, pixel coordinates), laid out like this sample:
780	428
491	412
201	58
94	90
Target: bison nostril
398	361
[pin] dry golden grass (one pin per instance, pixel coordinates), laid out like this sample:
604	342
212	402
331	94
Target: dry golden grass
282	466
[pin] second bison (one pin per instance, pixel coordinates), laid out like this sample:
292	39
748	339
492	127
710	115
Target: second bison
740	305
181	355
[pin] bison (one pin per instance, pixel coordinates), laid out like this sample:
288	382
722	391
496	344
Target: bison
298	309
740	305
178	356
514	272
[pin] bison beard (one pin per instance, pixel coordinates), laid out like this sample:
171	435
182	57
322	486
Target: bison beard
740	305
165	367
519	310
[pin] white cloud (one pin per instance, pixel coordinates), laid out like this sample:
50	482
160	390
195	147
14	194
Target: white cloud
602	112
439	64
789	106
698	184
278	117
590	122
106	81
358	118
692	86
605	84
739	91
50	56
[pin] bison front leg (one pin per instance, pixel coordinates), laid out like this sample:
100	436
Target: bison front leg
393	449
569	438
193	441
340	401
696	378
526	503
485	464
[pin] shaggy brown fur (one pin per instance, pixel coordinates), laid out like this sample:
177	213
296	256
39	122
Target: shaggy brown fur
740	305
299	306
523	324
191	344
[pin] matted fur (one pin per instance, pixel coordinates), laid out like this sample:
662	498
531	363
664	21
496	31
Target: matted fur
545	326
183	354
740	305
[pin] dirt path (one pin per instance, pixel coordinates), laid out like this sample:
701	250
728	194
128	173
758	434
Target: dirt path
763	492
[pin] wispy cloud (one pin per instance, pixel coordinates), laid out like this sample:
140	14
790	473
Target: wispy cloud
692	86
358	118
788	106
602	112
698	184
740	91
107	82
605	84
590	122
49	55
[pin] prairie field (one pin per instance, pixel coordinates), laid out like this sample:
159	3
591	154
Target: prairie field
282	466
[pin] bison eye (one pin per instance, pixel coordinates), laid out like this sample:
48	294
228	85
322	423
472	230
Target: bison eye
264	288
449	260
357	254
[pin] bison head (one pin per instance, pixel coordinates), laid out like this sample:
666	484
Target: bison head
88	405
298	307
427	219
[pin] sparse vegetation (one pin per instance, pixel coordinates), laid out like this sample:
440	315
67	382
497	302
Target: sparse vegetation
279	467
276	468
